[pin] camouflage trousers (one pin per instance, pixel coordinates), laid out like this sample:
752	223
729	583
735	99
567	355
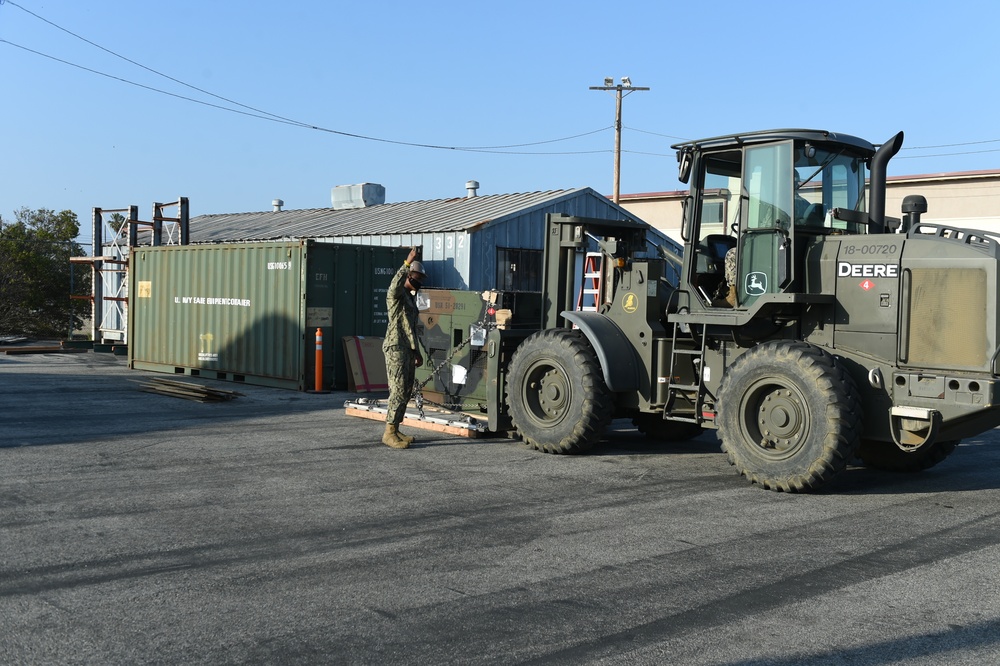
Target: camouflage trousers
730	275
399	366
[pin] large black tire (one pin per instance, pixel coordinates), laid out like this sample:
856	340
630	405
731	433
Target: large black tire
789	416
889	457
655	427
556	393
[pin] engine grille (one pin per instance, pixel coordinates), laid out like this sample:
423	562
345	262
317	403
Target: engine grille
948	319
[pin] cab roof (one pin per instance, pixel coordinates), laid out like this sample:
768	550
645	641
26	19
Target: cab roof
763	136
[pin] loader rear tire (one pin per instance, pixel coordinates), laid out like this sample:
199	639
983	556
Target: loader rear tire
789	417
556	394
889	457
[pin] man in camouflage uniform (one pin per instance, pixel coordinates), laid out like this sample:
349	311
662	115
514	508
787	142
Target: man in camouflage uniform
730	275
725	293
401	347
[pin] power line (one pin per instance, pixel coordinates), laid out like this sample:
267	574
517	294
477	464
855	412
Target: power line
262	114
254	112
952	145
648	154
666	136
966	152
148	69
141	85
943	145
277	119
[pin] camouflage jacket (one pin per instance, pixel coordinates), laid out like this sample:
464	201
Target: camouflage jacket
402	308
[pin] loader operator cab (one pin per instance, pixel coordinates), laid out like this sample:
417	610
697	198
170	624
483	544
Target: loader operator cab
756	203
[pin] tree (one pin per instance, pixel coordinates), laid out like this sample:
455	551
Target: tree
13	289
35	274
116	222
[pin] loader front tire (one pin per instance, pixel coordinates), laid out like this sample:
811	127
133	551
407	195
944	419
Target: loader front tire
556	394
789	417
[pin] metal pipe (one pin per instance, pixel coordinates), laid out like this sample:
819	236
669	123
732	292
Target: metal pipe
569	276
97	278
880	162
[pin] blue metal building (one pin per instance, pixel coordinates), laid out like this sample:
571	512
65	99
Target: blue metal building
463	239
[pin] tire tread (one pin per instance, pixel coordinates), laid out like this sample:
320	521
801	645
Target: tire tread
573	348
843	415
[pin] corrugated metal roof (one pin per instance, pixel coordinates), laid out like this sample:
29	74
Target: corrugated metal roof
432	216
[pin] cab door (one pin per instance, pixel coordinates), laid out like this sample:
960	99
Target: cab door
764	262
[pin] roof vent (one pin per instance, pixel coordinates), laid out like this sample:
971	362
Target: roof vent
344	197
470	188
276	205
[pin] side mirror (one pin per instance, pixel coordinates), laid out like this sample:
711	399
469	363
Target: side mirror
684	165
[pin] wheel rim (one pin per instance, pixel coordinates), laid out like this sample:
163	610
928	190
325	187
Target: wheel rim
775	419
547	393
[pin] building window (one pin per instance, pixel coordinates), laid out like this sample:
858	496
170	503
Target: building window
713	212
519	270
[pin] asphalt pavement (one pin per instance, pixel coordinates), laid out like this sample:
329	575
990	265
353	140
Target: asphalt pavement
137	528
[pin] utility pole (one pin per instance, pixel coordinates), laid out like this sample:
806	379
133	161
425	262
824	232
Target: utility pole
627	88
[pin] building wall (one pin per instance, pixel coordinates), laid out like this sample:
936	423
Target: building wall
965	199
467	259
445	254
526	231
661	210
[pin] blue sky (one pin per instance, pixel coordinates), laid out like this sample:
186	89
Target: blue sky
463	74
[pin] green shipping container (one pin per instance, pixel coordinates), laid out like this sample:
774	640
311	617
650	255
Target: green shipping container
249	312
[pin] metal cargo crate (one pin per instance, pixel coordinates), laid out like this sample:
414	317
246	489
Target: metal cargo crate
453	332
249	312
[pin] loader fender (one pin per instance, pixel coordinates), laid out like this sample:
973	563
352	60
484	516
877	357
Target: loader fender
618	359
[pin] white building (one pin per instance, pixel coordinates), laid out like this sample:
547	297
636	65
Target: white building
969	199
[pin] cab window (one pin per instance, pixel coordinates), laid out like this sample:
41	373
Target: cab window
826	180
769	194
765	240
719	214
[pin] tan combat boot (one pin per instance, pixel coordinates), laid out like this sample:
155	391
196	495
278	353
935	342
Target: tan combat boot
406	438
392	439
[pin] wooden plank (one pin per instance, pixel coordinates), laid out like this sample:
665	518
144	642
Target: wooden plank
470	433
40	350
193	386
188	390
146	388
86	260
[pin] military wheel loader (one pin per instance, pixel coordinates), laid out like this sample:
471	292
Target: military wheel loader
806	326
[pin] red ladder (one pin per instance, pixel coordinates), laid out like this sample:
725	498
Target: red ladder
590	294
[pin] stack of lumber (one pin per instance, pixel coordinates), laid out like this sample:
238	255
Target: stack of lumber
56	348
188	390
